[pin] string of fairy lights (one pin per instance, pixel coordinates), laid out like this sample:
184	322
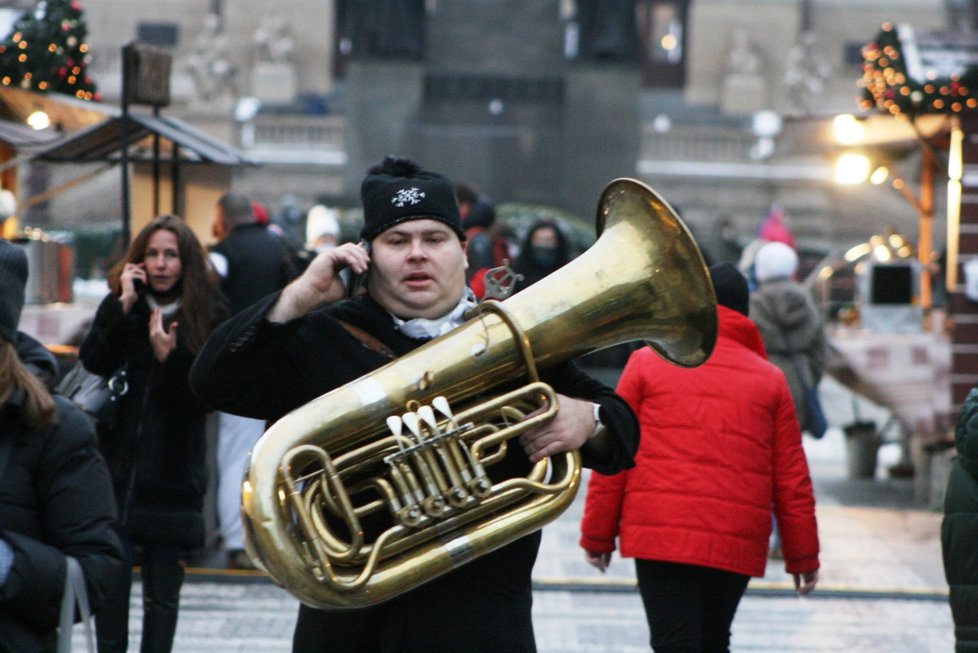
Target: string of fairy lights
887	85
47	51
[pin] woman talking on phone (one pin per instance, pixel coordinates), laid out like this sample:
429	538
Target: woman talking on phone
164	300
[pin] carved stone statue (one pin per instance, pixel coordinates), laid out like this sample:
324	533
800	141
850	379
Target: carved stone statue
745	56
744	89
806	71
273	40
209	62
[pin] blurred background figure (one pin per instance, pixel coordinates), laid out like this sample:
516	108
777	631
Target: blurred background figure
789	322
288	221
260	211
55	494
163	302
466	195
791	327
322	229
720	446
775	229
486	248
252	262
543	250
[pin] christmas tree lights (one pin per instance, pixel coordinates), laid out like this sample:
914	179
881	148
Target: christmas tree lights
47	51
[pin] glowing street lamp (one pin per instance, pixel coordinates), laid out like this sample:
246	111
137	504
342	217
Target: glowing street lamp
39	120
852	168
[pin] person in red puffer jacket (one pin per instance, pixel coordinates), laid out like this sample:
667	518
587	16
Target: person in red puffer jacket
720	449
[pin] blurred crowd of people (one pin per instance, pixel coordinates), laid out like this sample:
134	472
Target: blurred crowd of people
169	293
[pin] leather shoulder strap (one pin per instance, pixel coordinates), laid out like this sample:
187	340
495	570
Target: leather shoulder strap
367	340
7	442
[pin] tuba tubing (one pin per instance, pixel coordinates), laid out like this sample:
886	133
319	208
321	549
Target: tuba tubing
643	279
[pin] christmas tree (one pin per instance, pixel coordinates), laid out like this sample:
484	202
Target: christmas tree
47	51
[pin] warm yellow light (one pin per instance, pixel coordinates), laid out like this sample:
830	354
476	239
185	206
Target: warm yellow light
858	252
879	176
852	168
668	42
39	120
847	130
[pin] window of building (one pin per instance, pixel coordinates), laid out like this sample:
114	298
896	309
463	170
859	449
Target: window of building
162	34
662	28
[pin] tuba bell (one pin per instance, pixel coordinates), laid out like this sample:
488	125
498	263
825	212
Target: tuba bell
411	446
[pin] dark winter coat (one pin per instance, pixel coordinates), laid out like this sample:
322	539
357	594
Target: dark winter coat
157	453
959	530
55	500
259	263
782	304
255	368
37	358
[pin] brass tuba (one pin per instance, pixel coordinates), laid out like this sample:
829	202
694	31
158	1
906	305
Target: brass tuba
412	444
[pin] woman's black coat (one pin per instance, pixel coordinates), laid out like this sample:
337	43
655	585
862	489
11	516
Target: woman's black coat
157	453
55	500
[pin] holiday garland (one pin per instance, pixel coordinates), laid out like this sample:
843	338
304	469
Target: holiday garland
887	85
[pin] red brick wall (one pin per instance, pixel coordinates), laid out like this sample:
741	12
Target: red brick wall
962	311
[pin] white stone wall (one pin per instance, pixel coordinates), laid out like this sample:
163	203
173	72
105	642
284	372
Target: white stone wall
773	26
113	23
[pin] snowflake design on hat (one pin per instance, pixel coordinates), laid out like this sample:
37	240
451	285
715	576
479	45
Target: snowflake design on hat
407	196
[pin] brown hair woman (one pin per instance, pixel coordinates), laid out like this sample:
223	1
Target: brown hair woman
164	300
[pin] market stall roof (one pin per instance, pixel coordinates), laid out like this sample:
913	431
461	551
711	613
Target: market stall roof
105	140
67	113
24	138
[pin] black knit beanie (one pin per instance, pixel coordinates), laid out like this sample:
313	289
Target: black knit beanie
398	190
730	287
13	279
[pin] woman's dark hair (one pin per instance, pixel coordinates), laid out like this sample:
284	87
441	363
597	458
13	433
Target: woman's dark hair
38	409
200	308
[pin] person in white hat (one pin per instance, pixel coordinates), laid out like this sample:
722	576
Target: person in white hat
322	229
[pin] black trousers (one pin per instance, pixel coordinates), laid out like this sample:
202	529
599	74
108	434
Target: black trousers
689	608
484	606
162	576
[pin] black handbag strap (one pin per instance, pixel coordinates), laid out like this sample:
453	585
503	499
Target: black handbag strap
6	449
7	441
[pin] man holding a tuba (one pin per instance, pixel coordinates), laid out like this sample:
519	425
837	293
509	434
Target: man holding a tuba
292	347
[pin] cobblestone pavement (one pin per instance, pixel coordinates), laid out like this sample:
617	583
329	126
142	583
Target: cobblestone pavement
881	587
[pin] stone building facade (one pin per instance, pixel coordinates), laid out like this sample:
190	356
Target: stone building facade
683	118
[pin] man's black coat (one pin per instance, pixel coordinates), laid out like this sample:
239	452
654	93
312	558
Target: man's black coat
255	368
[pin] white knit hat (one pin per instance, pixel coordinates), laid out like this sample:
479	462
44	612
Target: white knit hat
321	221
775	261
